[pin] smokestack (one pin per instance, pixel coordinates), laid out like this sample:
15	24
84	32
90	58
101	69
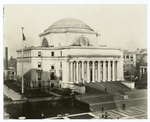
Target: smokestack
6	58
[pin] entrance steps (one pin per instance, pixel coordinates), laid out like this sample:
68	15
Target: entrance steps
102	87
97	97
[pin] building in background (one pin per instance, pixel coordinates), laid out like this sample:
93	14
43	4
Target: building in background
135	64
129	62
141	62
69	53
10	72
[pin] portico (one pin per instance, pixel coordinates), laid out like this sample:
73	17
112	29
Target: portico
101	70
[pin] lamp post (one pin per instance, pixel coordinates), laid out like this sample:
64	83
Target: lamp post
22	65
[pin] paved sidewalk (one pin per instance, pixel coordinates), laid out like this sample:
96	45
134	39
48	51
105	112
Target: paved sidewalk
11	94
118	101
137	112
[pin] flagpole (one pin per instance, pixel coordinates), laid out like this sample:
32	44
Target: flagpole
22	63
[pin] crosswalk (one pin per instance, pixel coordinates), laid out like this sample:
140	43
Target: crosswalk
137	112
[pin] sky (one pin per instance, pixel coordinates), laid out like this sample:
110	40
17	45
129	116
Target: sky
120	25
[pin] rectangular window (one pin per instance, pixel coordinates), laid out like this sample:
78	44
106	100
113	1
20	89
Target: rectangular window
52	53
60	74
39	75
131	58
60	53
60	64
127	56
52	67
39	64
52	76
39	54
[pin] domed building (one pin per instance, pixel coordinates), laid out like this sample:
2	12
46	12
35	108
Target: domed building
69	53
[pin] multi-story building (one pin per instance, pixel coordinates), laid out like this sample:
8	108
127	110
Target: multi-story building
68	53
129	62
141	61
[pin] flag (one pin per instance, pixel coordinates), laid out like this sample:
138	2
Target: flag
24	38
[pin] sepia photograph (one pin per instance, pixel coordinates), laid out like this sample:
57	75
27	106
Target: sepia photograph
75	61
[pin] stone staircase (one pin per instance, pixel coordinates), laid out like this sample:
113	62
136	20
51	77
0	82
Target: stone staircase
97	97
114	86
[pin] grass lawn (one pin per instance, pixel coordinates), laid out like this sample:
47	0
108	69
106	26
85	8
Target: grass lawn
28	93
36	93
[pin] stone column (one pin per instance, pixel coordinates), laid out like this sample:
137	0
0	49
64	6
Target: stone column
109	70
140	72
143	70
83	71
118	73
77	73
88	80
99	72
113	70
74	72
93	68
104	71
120	70
71	71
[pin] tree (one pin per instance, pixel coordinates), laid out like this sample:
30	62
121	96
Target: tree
131	71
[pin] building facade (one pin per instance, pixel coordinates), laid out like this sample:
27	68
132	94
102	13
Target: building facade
68	53
141	62
129	62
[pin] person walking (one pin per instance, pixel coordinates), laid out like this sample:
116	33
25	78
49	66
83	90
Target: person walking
102	109
106	115
42	115
123	106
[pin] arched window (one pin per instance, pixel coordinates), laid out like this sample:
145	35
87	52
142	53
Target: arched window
81	41
44	43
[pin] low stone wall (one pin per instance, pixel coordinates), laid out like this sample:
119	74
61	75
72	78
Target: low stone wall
14	102
130	85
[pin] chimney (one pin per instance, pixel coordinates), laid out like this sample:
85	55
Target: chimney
6	58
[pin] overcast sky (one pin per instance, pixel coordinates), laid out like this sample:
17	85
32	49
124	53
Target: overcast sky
122	26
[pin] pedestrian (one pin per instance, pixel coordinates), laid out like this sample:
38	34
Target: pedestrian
105	89
106	115
102	109
42	115
123	106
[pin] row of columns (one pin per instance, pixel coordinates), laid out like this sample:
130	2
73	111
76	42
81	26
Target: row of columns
77	71
142	71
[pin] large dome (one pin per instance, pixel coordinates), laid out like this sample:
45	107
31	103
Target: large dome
69	24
